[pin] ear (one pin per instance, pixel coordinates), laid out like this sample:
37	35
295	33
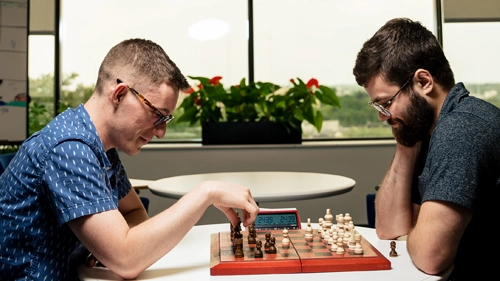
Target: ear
118	94
424	80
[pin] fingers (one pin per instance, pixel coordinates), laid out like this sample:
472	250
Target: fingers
91	260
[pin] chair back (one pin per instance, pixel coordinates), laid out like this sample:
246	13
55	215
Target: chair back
5	160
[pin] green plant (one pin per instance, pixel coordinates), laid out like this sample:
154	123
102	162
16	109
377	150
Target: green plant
209	101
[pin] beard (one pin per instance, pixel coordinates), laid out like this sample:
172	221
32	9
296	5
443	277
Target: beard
419	118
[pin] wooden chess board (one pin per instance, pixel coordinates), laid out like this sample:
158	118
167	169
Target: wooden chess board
300	256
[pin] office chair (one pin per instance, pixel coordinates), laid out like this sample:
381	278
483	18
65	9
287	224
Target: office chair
5	160
370	207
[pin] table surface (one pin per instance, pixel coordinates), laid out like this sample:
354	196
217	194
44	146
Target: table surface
190	260
265	186
140	184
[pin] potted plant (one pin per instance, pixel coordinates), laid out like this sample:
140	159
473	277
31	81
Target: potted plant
248	105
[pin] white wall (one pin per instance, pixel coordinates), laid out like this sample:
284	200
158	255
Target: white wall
365	163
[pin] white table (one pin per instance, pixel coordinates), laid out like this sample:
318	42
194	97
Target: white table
265	186
140	184
190	260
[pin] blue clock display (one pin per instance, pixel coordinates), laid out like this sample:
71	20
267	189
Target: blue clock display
277	220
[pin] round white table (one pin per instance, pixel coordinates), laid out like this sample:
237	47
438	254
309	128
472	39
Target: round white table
265	186
190	260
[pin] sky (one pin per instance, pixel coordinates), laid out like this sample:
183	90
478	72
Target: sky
293	38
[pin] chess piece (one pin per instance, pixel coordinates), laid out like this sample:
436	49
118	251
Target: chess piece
268	242
285	243
272	248
258	249
357	249
328	222
238	253
309	231
320	222
334	247
252	235
340	250
393	252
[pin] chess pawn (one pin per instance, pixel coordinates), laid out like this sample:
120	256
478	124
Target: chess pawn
268	242
346	238
357	237
351	226
357	249
320	222
334	247
258	249
340	242
335	237
352	242
272	248
285	243
347	218
330	241
393	252
340	250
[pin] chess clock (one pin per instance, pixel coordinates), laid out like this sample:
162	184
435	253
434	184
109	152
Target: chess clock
269	219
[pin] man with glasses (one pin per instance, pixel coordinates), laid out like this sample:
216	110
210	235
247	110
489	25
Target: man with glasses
442	186
66	194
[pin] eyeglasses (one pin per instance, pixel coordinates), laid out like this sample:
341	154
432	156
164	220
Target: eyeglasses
162	119
382	108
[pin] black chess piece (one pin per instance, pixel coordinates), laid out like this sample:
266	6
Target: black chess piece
258	249
268	242
272	247
393	252
238	252
252	236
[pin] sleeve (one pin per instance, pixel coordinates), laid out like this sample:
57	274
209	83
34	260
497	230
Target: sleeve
119	179
76	182
456	161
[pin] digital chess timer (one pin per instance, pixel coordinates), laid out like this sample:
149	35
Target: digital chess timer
269	219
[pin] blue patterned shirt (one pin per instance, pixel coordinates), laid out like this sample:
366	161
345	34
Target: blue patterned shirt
59	174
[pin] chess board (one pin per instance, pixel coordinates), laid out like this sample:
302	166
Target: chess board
301	256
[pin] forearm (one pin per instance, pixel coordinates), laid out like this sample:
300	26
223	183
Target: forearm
128	251
432	242
393	207
154	238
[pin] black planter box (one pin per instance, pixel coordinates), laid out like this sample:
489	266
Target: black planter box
248	133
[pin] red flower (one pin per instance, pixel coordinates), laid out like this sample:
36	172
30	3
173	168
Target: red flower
312	82
200	86
291	80
189	91
197	101
215	81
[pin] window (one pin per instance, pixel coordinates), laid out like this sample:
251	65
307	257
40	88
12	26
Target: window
472	50
292	38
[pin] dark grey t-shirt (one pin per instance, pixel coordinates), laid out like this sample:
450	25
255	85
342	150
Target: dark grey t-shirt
460	164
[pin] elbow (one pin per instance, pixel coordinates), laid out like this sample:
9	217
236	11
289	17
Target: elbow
431	262
431	268
126	268
127	272
386	234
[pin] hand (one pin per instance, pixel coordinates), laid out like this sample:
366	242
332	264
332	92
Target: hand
227	196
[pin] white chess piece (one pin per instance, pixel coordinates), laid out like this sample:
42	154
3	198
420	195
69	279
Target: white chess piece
328	222
286	241
309	231
357	249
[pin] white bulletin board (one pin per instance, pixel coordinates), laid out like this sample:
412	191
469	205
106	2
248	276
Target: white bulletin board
13	70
